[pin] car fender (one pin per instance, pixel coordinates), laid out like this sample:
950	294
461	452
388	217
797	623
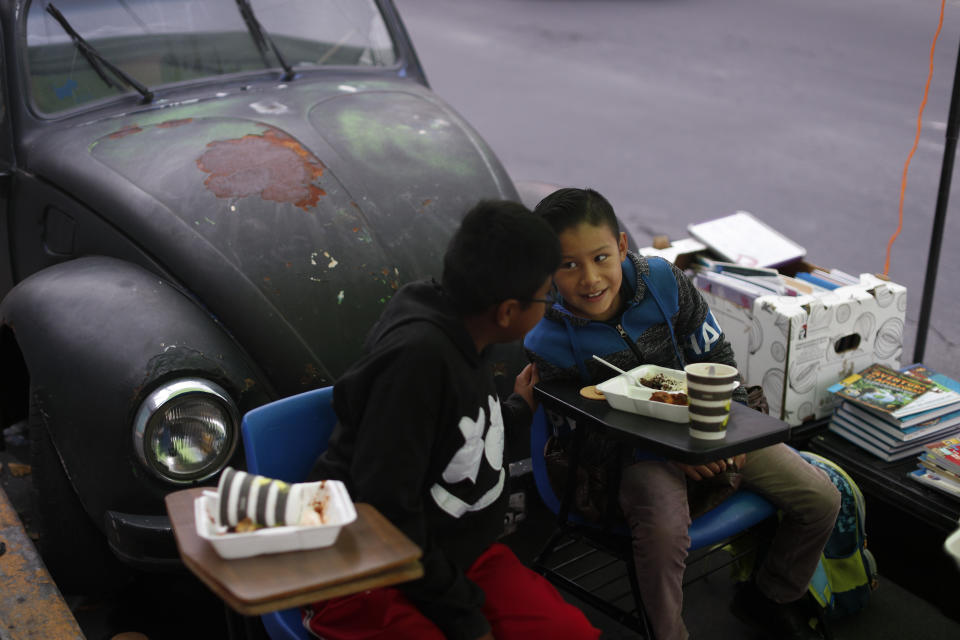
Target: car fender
97	334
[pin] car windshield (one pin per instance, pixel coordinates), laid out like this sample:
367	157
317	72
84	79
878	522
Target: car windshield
159	42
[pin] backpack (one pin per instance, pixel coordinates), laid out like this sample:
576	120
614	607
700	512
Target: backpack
847	571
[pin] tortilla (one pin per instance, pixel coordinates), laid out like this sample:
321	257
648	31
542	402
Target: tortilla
592	393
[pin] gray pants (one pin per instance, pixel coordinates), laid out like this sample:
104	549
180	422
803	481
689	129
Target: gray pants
653	496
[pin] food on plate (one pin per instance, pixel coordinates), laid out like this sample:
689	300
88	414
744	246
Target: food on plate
669	398
312	515
245	526
663	383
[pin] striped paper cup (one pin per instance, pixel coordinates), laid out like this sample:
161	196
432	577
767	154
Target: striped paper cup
263	500
710	390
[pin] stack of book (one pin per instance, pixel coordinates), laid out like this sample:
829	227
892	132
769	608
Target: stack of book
742	284
896	414
939	466
756	260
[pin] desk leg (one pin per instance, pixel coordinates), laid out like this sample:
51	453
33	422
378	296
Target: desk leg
576	442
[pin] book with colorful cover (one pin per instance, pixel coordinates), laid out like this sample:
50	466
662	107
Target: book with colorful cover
735	290
918	419
939	466
939	380
817	280
890	434
886	391
876	443
923	423
926	463
942	415
800	288
935	480
733	268
945	453
871	446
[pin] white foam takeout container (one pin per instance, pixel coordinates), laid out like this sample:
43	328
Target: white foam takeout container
338	511
623	394
952	546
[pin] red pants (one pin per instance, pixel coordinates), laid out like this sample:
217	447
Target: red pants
519	604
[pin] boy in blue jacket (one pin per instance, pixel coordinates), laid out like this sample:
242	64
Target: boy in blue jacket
421	437
631	310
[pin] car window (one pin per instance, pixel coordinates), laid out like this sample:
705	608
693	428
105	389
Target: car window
159	42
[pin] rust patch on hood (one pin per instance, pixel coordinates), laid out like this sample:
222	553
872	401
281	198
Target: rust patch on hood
125	131
273	164
169	124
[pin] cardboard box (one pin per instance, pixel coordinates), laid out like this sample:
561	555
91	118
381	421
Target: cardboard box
796	347
680	253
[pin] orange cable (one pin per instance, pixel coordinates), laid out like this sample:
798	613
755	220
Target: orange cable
916	141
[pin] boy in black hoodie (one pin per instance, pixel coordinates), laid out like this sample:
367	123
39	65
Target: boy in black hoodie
421	437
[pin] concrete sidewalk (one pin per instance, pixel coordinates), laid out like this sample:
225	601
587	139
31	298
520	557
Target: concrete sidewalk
31	606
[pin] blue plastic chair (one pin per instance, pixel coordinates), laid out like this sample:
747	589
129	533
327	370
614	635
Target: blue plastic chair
283	440
741	511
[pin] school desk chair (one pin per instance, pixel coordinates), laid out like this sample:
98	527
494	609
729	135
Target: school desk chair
577	574
283	440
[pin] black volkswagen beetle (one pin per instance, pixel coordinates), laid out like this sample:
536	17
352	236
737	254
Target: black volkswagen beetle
205	204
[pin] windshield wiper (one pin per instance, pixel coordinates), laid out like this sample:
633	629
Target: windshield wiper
97	60
262	39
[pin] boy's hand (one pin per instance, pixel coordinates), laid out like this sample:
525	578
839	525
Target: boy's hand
739	461
524	384
701	471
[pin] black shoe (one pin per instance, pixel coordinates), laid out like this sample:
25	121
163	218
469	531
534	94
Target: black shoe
778	621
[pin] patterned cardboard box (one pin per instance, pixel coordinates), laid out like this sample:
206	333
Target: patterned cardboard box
796	347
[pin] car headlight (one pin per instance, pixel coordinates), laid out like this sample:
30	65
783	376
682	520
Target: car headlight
186	430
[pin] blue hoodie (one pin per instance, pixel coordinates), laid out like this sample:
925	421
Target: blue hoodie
666	322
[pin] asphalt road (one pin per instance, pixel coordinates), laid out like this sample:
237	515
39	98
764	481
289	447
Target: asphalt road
682	111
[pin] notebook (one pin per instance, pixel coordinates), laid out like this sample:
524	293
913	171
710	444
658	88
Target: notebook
743	239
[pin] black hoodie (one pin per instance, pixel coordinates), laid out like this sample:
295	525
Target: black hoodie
420	437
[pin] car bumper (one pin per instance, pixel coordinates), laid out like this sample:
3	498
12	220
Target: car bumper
143	542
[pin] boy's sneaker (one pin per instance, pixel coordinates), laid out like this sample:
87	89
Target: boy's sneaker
778	621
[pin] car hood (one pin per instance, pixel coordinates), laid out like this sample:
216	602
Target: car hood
292	212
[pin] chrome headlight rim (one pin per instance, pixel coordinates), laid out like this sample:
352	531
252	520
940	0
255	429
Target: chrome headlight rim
177	390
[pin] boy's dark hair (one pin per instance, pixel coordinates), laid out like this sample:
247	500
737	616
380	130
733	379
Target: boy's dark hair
500	252
566	208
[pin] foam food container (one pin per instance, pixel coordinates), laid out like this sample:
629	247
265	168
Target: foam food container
338	511
623	394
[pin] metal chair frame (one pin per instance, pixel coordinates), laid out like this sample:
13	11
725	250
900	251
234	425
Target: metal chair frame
733	519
